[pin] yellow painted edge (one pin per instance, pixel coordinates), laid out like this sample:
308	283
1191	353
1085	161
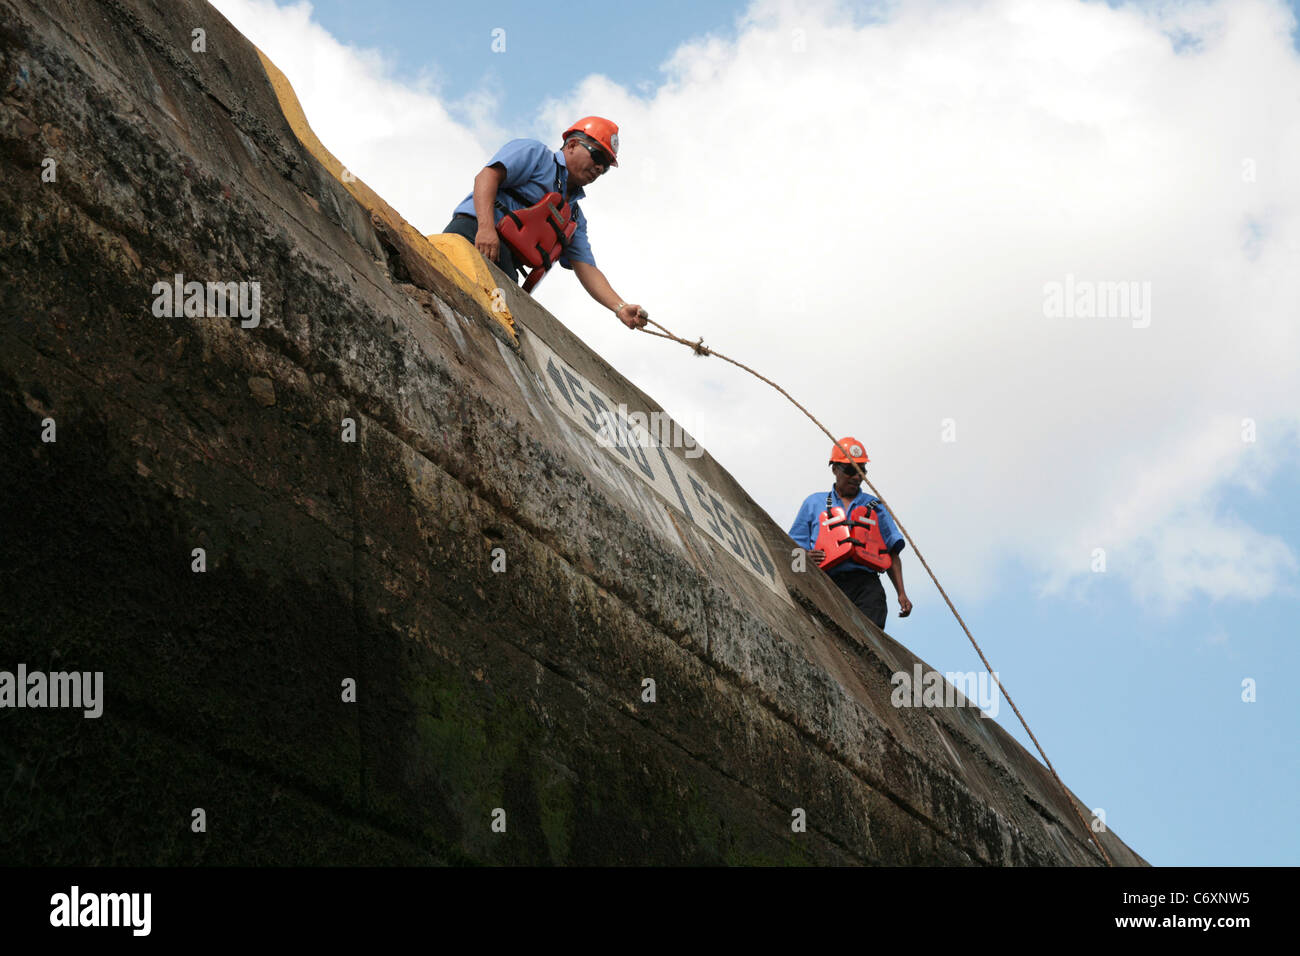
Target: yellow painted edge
468	271
461	253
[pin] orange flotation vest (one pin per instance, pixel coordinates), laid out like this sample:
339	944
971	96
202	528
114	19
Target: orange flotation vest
857	537
538	234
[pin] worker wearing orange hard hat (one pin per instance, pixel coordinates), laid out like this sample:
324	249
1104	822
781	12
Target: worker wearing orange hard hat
850	537
523	213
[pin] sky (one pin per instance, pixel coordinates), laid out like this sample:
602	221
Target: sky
1041	256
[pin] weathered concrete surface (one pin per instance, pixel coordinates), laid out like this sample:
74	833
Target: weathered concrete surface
371	559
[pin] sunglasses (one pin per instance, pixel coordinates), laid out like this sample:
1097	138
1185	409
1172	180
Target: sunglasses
849	469
598	155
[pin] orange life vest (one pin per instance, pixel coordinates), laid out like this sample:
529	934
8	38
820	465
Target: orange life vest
857	537
538	235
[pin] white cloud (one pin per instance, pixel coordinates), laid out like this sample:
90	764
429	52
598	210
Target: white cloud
408	143
1220	558
872	221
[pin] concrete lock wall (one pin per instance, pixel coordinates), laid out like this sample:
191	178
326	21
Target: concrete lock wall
368	555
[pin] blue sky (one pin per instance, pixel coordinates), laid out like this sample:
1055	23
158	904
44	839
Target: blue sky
944	168
547	49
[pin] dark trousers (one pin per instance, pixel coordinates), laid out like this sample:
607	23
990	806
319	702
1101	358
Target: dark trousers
864	589
467	226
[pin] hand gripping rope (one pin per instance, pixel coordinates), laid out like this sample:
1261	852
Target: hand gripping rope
702	350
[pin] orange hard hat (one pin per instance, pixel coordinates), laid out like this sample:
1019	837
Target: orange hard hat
601	130
853	447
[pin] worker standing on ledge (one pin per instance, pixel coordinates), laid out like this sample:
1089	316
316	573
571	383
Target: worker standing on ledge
851	538
523	211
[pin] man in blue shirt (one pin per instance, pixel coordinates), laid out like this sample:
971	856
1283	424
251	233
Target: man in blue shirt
860	583
519	175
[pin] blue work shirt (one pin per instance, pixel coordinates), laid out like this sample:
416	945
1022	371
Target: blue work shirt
807	525
531	171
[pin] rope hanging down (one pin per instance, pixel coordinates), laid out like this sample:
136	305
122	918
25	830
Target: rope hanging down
702	350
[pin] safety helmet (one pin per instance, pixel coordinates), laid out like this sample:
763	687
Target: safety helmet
853	447
603	131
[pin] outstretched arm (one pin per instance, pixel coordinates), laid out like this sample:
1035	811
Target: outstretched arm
598	287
